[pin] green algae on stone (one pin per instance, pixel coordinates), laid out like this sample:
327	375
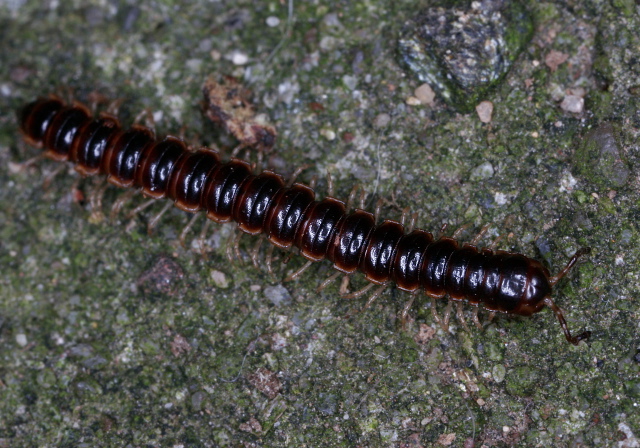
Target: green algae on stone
521	381
463	51
600	158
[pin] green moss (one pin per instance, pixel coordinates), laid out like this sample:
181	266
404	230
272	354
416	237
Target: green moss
66	282
521	381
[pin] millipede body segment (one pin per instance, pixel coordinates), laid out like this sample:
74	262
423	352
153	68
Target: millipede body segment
291	215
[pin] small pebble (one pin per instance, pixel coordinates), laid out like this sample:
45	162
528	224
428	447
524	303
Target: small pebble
482	171
413	101
554	59
238	58
573	104
381	121
485	111
328	134
350	81
278	295
273	21
220	279
21	339
425	94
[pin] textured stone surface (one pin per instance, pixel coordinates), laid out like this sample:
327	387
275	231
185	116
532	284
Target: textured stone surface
462	51
600	158
90	357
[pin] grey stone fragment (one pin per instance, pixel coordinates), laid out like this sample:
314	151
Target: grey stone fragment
464	51
600	158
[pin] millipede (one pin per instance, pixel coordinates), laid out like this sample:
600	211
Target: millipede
290	216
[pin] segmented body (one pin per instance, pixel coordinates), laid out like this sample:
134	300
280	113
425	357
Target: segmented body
289	215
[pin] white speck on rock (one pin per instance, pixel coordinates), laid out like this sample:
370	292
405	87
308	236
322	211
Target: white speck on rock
287	91
483	171
329	134
350	81
272	21
278	295
220	279
21	339
500	198
328	43
567	182
573	104
237	57
381	121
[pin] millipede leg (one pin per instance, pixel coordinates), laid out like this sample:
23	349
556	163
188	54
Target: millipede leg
50	176
344	285
460	315
328	281
155	219
229	250
260	161
203	237
296	173
256	251
299	272
475	318
233	248
436	317
149	121
494	244
459	231
481	233
412	222
581	252
329	184
405	215
370	300
236	245
360	292
114	107
447	314
444	323
146	204
187	229
352	196
376	213
237	149
95	200
269	259
117	205
405	311
287	258
313	182
374	296
575	340
95	99
443	230
17	167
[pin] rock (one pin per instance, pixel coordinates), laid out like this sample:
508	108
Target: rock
425	94
600	158
462	53
485	111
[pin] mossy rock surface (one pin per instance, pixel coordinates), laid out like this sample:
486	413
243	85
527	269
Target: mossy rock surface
110	336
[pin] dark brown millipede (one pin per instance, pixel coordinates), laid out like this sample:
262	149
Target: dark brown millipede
289	215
